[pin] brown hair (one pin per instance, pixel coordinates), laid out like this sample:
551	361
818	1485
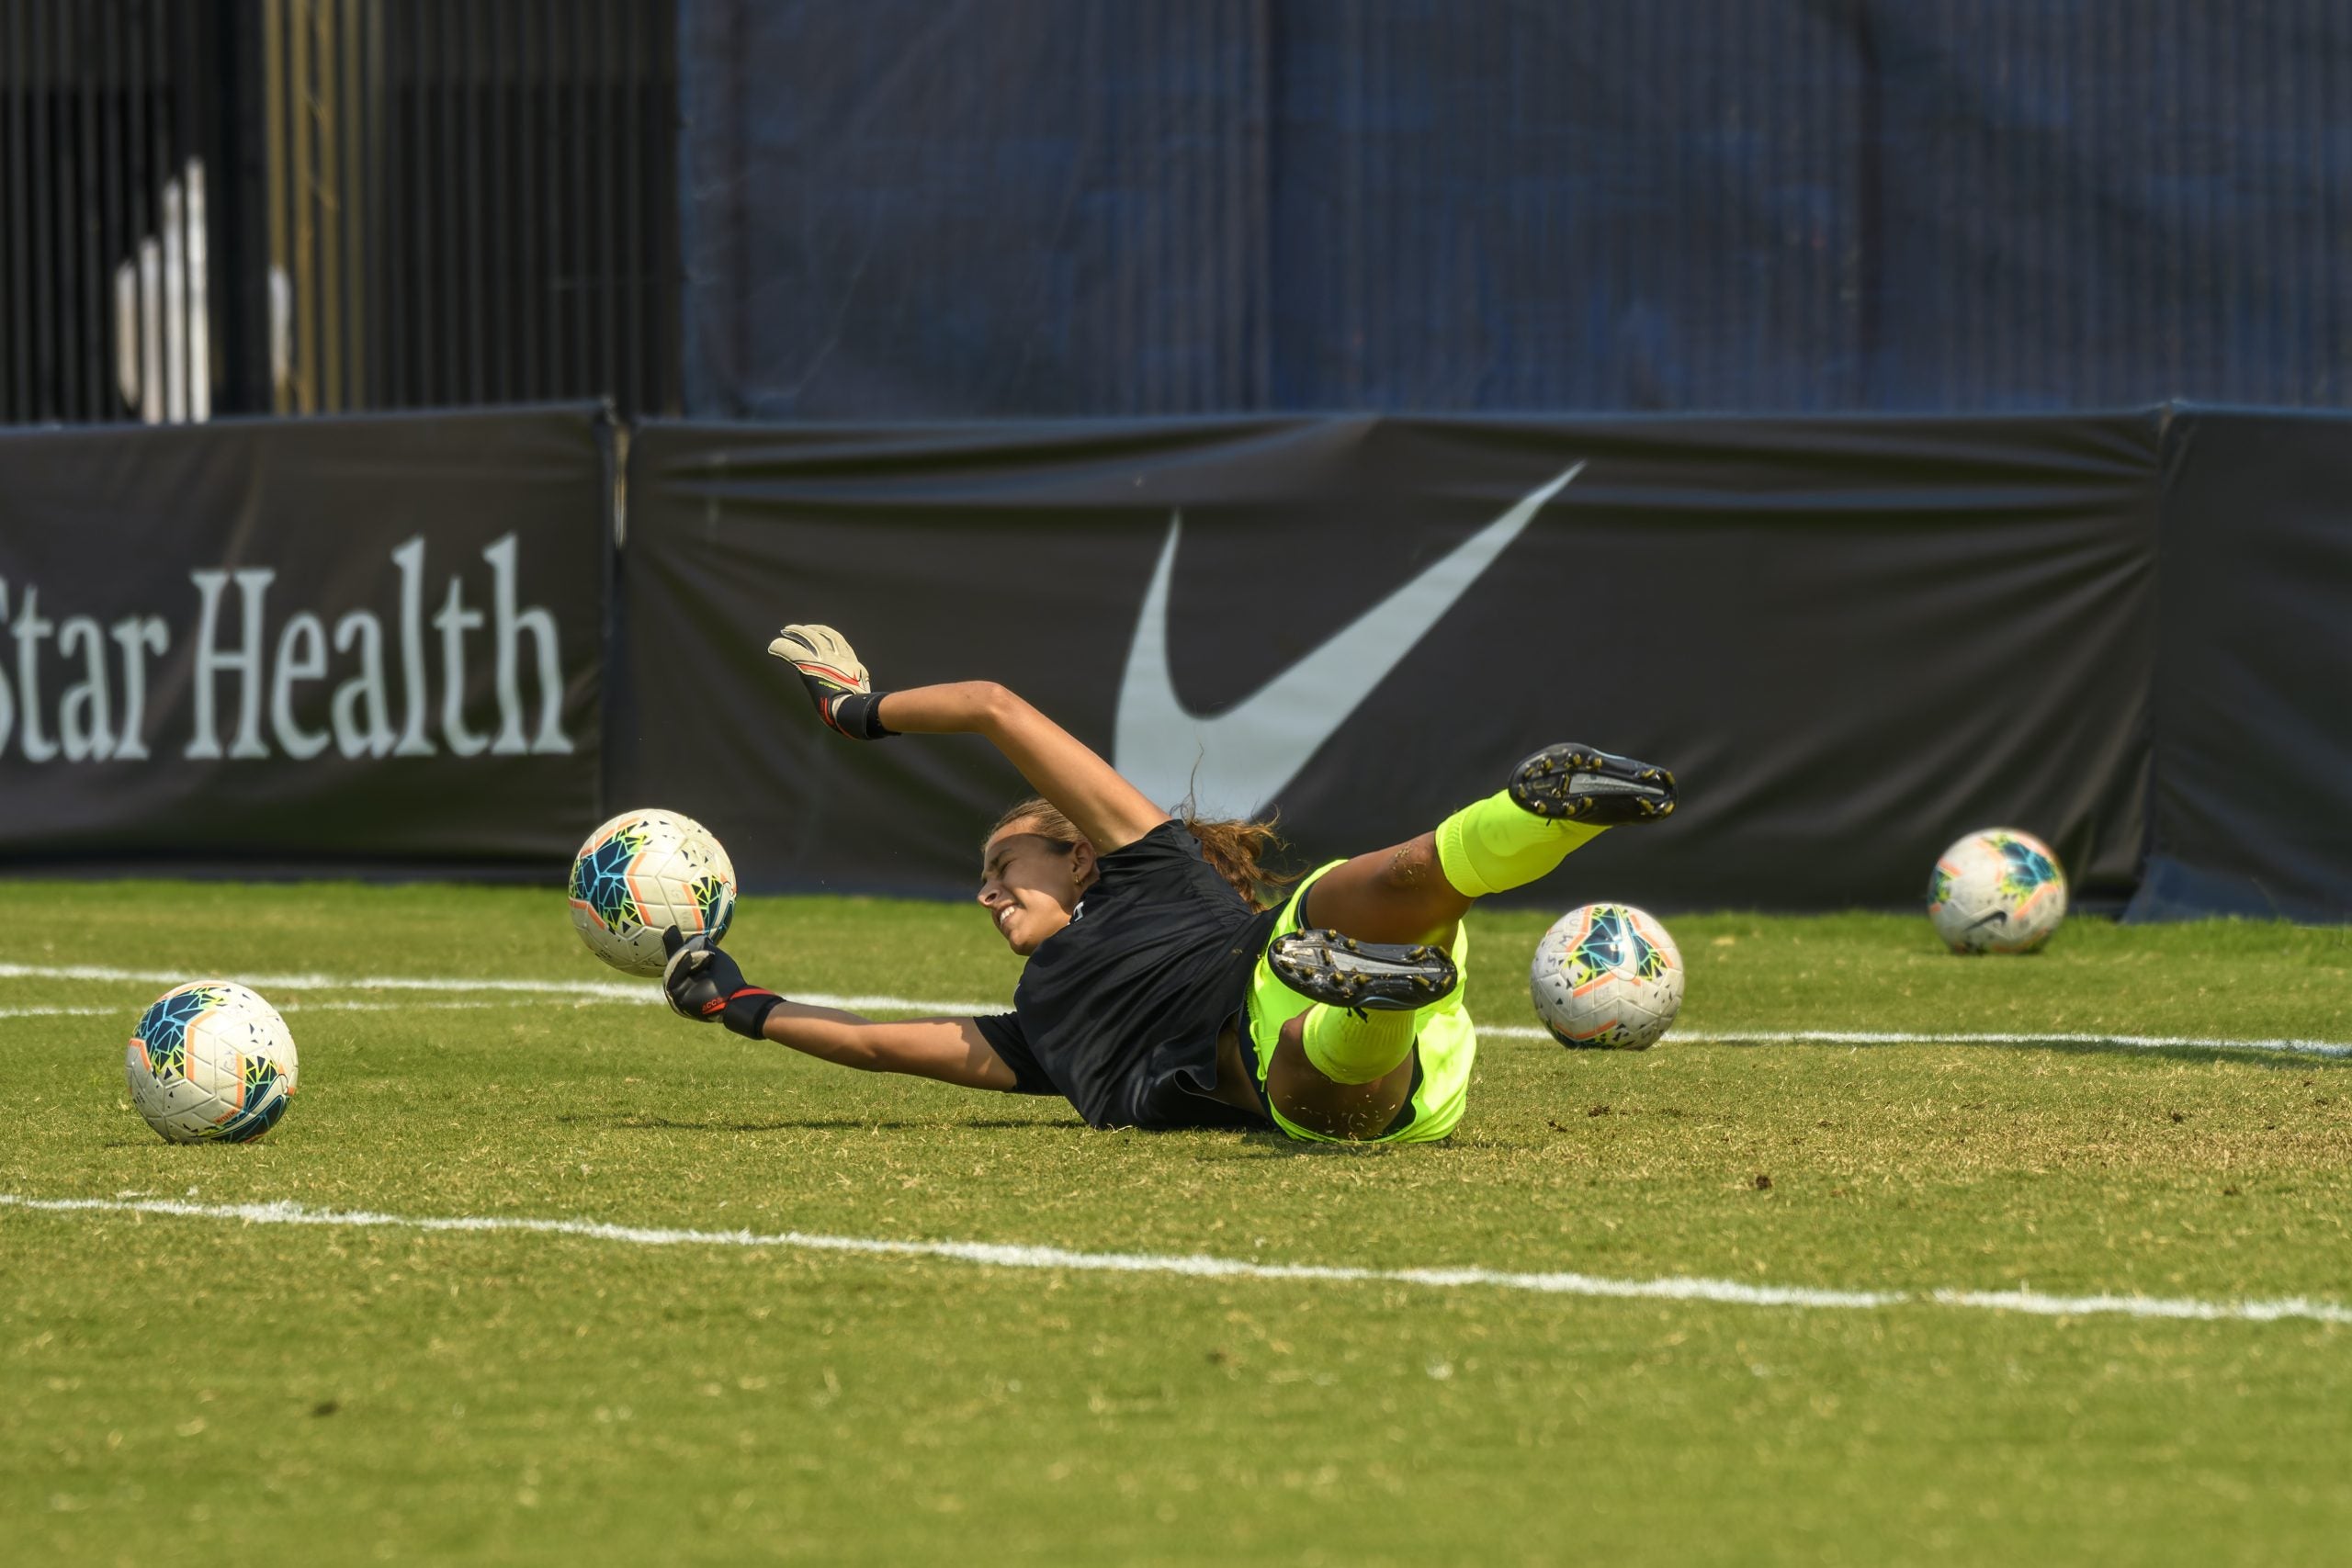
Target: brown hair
1235	849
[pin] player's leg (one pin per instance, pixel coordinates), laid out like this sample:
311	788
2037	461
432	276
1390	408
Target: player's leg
1349	1035
1308	1098
1370	945
1558	800
1422	1098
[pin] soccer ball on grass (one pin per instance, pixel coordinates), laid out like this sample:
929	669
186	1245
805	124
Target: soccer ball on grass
210	1062
1997	891
1606	976
642	873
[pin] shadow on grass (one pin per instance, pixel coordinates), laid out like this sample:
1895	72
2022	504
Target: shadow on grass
820	1125
1250	1144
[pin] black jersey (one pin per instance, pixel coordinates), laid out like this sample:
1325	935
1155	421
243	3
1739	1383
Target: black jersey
1119	1011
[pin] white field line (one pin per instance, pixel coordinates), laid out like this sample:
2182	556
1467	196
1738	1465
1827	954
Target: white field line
644	991
2328	1048
997	1254
131	1011
647	993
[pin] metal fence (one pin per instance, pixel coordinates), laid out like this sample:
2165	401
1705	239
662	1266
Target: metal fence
105	305
313	206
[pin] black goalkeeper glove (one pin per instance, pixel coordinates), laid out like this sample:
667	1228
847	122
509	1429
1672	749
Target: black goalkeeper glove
704	984
837	683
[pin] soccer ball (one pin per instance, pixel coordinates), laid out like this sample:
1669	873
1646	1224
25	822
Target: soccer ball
1607	975
210	1060
642	873
1999	891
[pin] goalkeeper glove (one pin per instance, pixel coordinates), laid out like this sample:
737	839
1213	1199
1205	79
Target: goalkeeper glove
837	683
704	984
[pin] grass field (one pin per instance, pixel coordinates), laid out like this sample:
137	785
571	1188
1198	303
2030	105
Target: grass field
197	1387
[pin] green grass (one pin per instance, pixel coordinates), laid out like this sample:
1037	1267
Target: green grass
184	1388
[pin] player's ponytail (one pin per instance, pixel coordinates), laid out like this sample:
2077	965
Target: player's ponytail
1239	852
1235	850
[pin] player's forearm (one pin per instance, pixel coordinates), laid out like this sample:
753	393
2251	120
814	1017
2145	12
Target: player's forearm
1109	810
952	1050
955	707
1046	754
828	1034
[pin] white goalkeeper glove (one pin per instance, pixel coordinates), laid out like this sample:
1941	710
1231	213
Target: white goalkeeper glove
837	683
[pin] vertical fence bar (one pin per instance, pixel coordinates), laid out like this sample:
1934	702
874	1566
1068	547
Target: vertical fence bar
200	296
326	106
494	281
16	392
390	312
577	267
127	63
274	154
452	260
64	92
419	204
669	261
628	82
375	221
94	268
607	252
350	117
115	240
163	134
533	383
477	217
353	212
142	182
174	332
551	270
302	110
33	63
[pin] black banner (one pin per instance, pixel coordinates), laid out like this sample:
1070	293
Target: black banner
353	643
2253	675
1854	638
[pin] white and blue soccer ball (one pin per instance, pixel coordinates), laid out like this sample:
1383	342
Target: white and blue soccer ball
210	1062
1997	891
1606	976
642	873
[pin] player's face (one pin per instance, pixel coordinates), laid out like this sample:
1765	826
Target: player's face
1029	884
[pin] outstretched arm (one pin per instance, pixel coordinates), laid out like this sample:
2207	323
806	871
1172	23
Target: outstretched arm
1109	810
705	984
952	1050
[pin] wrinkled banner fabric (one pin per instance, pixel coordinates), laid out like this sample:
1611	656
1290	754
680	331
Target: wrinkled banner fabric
370	644
1854	640
2253	785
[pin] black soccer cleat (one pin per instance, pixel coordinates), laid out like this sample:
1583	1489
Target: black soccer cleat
1376	977
1569	783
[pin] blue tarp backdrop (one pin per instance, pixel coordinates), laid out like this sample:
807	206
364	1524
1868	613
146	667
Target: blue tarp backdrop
909	210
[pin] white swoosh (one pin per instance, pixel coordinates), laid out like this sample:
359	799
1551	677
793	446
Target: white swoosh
1238	760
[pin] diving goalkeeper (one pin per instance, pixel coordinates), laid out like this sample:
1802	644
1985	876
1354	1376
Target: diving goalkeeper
1165	987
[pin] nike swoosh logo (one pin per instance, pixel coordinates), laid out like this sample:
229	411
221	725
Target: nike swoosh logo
1235	761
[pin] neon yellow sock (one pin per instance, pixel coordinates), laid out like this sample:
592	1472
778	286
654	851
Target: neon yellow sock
1357	1047
1497	844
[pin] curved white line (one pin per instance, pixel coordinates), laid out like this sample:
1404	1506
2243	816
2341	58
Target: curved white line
999	1254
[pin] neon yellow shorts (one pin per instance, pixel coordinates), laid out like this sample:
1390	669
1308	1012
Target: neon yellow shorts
1446	1043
